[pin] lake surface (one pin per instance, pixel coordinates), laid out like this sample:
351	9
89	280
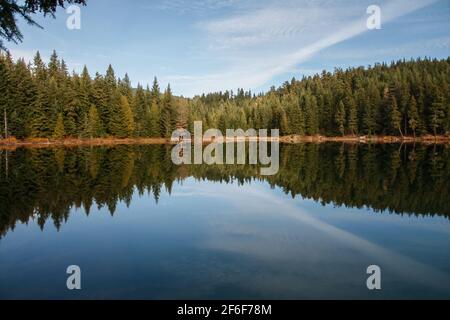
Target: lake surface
140	227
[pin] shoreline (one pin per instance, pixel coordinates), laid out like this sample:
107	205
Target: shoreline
293	139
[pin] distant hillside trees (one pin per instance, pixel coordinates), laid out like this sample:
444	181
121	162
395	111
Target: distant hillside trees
404	98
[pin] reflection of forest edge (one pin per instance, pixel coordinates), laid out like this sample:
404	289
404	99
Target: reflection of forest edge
47	183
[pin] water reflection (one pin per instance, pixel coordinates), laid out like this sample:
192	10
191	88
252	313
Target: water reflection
141	227
46	183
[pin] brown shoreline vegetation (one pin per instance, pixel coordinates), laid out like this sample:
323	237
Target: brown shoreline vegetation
13	143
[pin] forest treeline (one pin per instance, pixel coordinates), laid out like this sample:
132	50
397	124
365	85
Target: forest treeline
45	184
40	100
403	98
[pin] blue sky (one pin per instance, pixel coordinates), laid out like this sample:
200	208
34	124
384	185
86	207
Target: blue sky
210	45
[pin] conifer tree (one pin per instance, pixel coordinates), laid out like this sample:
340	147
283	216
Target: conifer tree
94	128
5	96
125	87
140	111
154	120
122	120
39	69
369	116
284	124
340	118
312	121
352	121
54	66
395	117
103	101
437	115
59	131
413	115
166	119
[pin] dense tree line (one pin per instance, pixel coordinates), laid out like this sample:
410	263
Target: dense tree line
403	98
41	100
44	184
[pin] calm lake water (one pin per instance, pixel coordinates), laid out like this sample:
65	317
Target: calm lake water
140	227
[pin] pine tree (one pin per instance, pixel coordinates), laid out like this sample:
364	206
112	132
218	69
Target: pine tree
39	69
94	128
369	117
5	96
352	122
127	116
155	93
125	87
53	66
166	121
122	120
437	115
22	96
110	79
340	118
59	133
395	117
413	115
41	118
294	115
140	111
284	124
154	117
84	96
103	101
312	121
72	106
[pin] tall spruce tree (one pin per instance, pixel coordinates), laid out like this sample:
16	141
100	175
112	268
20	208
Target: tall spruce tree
352	121
413	115
167	114
395	116
59	132
437	115
340	118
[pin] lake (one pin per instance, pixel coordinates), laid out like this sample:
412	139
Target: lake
141	227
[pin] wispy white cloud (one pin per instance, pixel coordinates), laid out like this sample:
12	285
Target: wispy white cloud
268	41
422	47
202	6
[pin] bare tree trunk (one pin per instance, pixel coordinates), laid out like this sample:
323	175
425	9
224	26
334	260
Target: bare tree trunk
400	130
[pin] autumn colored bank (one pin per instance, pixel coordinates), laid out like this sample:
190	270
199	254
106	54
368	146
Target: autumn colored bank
293	139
